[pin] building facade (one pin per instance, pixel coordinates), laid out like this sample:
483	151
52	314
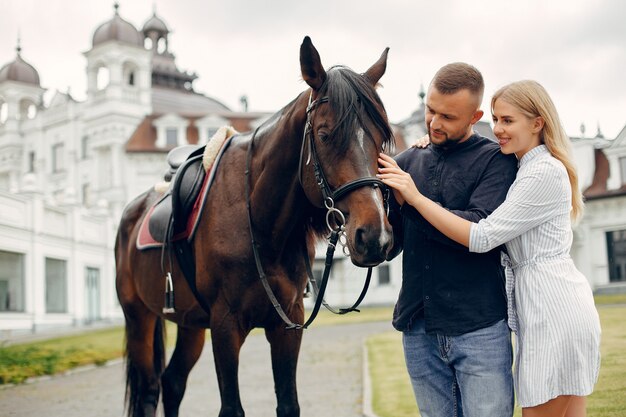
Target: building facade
68	168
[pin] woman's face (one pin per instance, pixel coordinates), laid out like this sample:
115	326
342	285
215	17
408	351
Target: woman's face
516	132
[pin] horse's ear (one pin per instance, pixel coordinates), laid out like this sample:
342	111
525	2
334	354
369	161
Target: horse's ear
377	70
311	65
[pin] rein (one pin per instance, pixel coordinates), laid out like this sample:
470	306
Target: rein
337	232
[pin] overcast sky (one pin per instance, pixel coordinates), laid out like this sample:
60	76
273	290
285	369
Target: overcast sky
575	48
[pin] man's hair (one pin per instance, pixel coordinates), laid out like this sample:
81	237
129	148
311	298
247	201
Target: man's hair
459	76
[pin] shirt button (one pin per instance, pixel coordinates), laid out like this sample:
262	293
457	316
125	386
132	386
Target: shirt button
427	267
427	297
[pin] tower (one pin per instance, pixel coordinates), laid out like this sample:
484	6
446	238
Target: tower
21	98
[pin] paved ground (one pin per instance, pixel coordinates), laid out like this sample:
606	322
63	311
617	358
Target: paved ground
329	382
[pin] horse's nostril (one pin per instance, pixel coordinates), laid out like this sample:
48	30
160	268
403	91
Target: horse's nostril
359	239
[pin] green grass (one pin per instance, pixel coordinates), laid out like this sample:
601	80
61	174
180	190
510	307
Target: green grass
606	299
22	361
392	395
19	362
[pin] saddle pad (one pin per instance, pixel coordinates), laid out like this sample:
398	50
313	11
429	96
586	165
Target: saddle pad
145	240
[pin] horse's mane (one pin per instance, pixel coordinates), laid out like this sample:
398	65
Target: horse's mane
353	98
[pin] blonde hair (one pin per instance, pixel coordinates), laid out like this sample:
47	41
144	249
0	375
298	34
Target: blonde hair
533	100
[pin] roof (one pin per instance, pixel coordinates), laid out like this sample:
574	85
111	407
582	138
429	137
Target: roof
117	29
20	71
144	137
156	24
185	103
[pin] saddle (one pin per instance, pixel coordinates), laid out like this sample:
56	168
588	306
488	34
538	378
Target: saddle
171	213
175	216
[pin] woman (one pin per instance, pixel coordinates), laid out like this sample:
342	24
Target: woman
551	306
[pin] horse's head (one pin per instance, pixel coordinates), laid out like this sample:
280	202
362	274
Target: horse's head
346	128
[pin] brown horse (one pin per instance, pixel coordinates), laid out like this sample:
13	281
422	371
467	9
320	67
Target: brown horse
347	128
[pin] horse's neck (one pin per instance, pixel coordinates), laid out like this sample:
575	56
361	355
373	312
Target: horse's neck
277	200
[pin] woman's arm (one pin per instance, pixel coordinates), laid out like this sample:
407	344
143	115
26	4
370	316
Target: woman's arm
451	225
537	196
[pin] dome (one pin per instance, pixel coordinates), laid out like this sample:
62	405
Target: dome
156	24
20	71
117	29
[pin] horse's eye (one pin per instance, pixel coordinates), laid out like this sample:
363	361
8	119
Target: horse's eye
323	135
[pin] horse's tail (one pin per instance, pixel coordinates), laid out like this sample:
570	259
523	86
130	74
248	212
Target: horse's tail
134	383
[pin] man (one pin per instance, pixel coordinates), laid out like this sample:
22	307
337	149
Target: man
452	306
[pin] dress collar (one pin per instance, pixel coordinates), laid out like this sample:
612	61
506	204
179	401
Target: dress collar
532	154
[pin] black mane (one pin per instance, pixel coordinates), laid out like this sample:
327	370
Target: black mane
354	99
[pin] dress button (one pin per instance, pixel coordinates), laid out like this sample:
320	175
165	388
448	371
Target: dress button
435	183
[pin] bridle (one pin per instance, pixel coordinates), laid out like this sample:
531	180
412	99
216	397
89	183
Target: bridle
329	196
335	220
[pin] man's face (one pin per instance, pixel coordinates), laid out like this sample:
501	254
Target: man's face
449	117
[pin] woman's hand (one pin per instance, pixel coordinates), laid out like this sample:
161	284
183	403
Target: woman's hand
392	175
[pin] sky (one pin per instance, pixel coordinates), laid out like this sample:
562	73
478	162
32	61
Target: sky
575	48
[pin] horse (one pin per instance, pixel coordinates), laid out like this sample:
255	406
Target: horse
332	134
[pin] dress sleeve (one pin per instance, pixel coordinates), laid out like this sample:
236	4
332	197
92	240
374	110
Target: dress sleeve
534	198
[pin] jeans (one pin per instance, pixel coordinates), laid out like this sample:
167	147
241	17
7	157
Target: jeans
461	376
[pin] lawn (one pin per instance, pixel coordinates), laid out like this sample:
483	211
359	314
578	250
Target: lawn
392	395
22	361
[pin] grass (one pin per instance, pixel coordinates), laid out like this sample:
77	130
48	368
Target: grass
392	395
22	361
19	362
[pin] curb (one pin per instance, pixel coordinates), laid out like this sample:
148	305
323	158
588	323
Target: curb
367	385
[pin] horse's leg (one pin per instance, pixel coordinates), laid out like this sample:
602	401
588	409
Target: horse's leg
144	360
285	346
189	344
226	338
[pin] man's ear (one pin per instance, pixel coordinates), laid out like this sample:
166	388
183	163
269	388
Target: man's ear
478	114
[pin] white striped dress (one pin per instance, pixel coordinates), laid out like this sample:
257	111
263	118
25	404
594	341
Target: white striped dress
550	302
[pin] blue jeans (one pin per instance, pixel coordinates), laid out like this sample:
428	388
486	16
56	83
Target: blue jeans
461	376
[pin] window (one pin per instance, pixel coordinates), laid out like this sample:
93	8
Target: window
211	131
92	294
87	195
4	112
56	286
31	161
171	136
383	275
616	250
11	281
58	162
84	151
102	78
622	166
131	78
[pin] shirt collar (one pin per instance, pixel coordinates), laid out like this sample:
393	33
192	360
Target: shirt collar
532	154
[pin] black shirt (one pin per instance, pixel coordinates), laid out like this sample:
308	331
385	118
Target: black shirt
455	291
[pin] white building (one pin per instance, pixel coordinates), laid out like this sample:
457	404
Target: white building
68	168
599	248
